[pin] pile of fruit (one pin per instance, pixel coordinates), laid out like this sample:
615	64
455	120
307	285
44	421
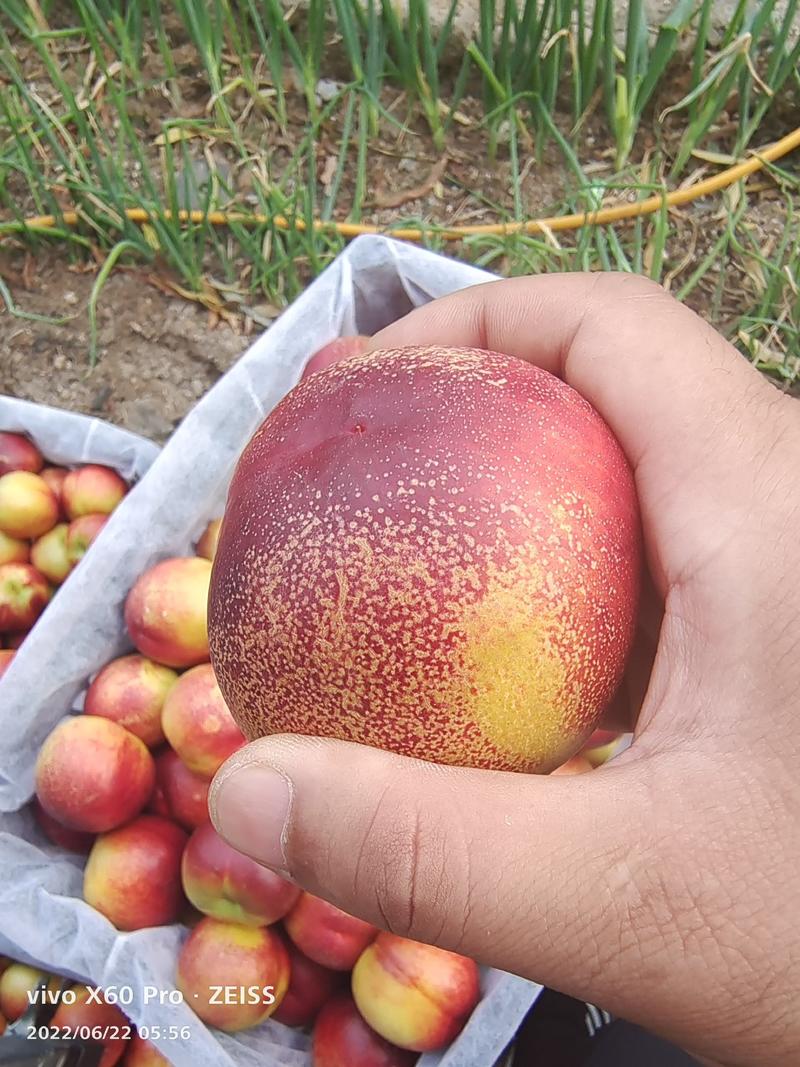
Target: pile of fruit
48	518
127	782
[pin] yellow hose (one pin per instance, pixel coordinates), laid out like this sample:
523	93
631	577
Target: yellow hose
455	233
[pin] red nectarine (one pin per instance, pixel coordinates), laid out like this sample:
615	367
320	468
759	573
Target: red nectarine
310	986
92	489
132	875
24	594
227	885
416	996
18	453
342	1038
71	840
430	550
166	612
197	722
326	934
131	690
90	1009
91	774
179	794
249	962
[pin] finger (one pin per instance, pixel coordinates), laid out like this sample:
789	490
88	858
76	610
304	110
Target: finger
531	874
693	417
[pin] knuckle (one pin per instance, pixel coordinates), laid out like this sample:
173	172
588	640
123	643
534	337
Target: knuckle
412	868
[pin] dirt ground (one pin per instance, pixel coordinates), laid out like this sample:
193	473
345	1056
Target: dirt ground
157	354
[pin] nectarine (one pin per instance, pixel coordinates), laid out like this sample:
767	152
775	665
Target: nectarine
132	875
49	554
17	982
249	962
6	656
92	489
179	793
71	840
24	594
310	986
197	723
80	534
28	507
142	1053
18	453
91	1010
13	549
92	774
326	934
166	612
207	545
342	1038
227	885
131	690
430	550
55	477
416	996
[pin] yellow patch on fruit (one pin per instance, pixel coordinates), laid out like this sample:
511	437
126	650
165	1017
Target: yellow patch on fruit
517	683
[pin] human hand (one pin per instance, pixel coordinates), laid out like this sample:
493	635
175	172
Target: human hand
663	886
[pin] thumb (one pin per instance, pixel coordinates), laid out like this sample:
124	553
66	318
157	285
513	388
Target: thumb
517	871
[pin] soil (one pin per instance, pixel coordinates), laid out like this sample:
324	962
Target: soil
157	354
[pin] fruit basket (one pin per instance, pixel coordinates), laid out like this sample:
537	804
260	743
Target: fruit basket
68	440
42	918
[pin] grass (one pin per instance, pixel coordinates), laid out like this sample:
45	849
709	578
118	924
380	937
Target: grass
106	107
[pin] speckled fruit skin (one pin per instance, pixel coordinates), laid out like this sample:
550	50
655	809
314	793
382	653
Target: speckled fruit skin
226	954
131	690
133	876
342	1038
28	506
310	986
197	722
77	841
86	1011
223	883
142	1053
17	453
24	594
334	352
92	489
416	996
430	550
166	612
179	793
326	934
93	775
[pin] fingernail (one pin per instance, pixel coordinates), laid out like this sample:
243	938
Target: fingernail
250	809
